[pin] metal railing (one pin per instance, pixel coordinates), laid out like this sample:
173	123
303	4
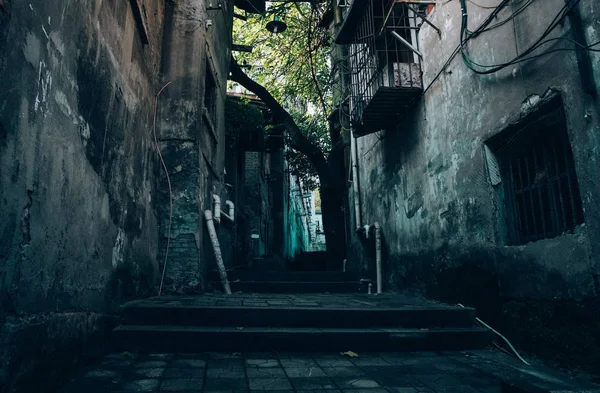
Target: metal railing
384	52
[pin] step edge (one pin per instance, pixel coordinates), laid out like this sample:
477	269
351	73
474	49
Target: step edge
300	330
276	308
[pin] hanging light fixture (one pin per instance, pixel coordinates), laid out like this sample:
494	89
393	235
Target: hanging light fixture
276	26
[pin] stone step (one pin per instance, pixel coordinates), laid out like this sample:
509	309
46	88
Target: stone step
305	316
190	339
293	287
289	276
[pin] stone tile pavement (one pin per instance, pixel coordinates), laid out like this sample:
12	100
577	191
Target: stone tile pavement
452	372
327	301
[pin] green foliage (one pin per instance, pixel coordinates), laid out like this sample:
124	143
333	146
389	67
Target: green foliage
294	67
299	165
242	116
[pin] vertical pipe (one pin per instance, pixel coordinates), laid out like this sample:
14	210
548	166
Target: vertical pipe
378	256
217	208
355	184
570	172
231	209
217	250
584	61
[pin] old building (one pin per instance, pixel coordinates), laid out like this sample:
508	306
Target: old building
269	227
475	146
148	214
89	91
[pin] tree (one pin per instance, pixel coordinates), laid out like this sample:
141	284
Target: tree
294	65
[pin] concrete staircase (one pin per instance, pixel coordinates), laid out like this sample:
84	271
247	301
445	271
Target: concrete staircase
313	323
312	261
248	281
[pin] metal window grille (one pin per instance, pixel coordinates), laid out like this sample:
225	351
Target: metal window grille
542	192
377	57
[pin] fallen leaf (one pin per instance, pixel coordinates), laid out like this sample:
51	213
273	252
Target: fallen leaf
350	354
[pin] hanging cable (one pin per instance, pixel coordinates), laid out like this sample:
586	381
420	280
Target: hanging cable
466	36
501	336
457	50
509	18
162	279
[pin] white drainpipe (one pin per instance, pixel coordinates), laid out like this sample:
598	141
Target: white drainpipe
366	230
217	208
217	250
230	211
378	256
217	212
357	214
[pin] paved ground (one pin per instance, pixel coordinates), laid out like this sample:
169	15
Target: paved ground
333	301
464	372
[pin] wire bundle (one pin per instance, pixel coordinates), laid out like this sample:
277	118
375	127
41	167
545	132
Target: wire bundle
526	55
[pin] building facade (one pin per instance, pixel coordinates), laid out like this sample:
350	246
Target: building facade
91	91
317	235
485	184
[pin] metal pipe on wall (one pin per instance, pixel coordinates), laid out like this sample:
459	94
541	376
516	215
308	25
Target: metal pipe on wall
378	257
378	268
217	208
230	211
210	223
355	184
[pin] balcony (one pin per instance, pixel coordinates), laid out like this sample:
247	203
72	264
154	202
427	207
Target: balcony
390	99
384	61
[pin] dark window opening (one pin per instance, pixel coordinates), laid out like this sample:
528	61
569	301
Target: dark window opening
541	190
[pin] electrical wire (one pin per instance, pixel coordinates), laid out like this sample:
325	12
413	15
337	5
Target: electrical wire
509	18
162	279
525	55
487	7
482	27
501	336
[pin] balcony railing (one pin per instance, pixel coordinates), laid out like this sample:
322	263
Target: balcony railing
385	65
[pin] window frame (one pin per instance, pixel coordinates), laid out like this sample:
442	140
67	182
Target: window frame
538	175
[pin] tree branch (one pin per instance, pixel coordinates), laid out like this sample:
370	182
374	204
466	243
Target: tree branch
299	141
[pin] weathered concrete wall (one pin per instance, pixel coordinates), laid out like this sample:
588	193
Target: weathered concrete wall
195	64
77	225
427	184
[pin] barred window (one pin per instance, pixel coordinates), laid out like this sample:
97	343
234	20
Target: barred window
540	184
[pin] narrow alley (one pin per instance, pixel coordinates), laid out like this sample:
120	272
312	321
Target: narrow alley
299	196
